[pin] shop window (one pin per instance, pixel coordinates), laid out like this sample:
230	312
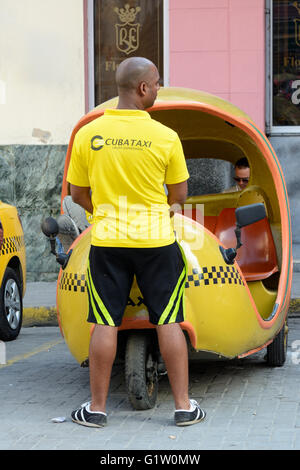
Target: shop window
122	29
285	66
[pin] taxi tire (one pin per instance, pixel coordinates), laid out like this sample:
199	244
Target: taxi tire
7	333
277	350
141	371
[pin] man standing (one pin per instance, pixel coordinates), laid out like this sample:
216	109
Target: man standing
119	165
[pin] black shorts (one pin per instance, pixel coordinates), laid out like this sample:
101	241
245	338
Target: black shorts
160	274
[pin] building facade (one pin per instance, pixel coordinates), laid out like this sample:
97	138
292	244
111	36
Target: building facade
58	59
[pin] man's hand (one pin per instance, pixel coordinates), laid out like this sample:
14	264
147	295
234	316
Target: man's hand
177	194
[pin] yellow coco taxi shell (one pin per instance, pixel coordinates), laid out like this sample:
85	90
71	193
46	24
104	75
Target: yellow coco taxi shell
231	310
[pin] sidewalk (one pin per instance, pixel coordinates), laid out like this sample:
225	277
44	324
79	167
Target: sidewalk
249	405
40	302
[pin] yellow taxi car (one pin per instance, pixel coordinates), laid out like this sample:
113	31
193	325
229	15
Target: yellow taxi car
12	272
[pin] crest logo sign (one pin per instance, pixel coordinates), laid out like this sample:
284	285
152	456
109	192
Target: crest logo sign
297	31
127	33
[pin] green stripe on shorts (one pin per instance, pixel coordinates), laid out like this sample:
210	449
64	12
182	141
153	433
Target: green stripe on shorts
102	308
168	308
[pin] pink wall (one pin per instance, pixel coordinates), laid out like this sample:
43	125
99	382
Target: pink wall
219	46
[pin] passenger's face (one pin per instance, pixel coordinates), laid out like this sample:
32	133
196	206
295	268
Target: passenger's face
242	176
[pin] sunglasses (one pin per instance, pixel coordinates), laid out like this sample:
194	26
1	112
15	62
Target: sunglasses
244	180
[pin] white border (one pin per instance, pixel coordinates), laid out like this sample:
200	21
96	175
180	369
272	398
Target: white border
166	51
270	129
91	59
91	63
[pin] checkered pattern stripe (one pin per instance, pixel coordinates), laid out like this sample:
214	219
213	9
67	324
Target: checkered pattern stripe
214	275
73	282
12	244
197	278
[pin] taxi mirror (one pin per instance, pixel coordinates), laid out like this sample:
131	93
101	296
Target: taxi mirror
250	214
244	215
50	227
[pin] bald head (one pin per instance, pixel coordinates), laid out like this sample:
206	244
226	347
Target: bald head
137	80
131	72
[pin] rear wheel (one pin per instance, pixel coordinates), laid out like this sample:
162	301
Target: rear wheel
141	371
276	351
11	306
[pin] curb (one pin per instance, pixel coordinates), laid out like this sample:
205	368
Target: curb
294	307
39	316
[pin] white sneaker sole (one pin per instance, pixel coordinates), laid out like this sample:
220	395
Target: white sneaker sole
197	420
90	425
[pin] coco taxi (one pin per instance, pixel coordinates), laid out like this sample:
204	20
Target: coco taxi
12	272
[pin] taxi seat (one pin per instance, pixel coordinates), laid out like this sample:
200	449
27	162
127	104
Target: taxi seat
257	256
209	221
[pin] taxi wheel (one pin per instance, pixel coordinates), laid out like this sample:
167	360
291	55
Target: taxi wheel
276	351
141	371
11	306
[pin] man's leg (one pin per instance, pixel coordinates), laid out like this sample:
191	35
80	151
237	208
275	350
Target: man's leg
102	354
109	279
173	348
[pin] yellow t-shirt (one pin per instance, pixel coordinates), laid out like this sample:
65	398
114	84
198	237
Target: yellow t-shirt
125	157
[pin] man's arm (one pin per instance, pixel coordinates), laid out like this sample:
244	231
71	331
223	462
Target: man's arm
82	195
177	194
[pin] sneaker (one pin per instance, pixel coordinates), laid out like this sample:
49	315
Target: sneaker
191	416
86	417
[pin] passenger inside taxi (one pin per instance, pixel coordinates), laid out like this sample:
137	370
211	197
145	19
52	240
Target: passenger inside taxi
241	175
